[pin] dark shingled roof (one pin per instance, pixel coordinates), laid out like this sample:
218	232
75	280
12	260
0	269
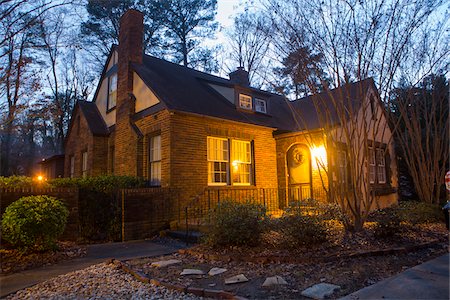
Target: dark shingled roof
306	108
94	119
185	89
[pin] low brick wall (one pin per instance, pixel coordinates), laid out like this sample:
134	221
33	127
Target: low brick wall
68	195
146	211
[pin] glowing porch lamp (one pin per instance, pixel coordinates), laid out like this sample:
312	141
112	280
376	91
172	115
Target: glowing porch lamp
319	157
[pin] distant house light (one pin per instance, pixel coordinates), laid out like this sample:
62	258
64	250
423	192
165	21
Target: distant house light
260	105
245	101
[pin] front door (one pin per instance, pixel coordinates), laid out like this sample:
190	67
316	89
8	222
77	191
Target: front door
299	172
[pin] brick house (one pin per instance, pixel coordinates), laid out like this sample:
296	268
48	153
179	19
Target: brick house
185	129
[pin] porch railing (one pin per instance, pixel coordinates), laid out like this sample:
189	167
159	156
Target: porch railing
274	200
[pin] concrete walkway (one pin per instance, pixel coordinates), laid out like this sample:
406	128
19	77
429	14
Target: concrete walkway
429	280
95	254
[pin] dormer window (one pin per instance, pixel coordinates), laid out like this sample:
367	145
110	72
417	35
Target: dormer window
112	91
245	101
260	106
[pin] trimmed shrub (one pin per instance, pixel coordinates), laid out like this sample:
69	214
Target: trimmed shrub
236	224
388	223
34	222
99	204
414	212
301	227
20	182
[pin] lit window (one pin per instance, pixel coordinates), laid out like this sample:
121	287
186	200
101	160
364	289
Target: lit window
217	161
72	166
242	162
84	166
245	101
260	106
381	166
237	170
112	91
155	160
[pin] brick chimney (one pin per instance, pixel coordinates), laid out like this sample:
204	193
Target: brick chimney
131	34
240	77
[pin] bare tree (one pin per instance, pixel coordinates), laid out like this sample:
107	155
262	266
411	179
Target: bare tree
17	80
248	40
358	39
422	113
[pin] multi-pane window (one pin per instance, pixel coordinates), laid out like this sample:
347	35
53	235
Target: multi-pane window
217	161
242	162
342	166
260	106
245	101
155	160
372	165
377	165
229	162
84	164
72	166
112	91
381	166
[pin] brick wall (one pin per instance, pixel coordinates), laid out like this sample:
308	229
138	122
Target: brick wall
146	211
188	152
68	195
80	140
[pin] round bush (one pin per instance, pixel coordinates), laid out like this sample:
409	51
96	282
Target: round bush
236	224
34	222
303	229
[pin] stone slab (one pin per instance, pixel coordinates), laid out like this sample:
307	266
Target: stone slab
236	279
216	271
320	290
273	281
192	272
165	263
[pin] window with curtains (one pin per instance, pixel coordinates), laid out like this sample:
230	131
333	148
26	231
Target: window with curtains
217	161
229	161
241	161
155	160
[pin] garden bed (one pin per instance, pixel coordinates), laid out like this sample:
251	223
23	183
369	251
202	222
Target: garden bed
13	260
352	262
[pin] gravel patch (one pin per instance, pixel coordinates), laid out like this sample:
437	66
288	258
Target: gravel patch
102	281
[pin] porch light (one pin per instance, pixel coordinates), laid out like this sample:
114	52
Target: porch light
40	178
319	157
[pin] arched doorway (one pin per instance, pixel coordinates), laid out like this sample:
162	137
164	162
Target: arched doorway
298	159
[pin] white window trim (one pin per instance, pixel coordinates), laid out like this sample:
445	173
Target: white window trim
382	164
264	105
151	161
84	164
247	98
109	106
227	161
229	166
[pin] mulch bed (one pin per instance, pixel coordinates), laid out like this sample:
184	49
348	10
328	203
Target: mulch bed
13	261
351	262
